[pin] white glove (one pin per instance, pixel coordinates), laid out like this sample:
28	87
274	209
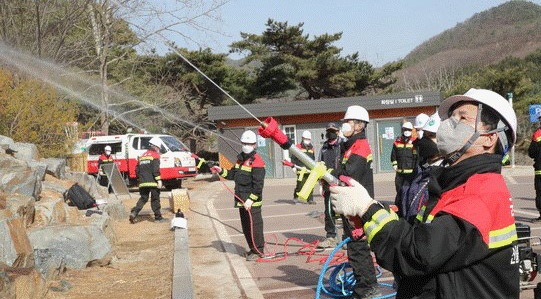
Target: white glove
248	204
102	173
352	200
160	184
395	167
294	169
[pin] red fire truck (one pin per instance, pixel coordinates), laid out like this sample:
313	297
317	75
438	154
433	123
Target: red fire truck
176	161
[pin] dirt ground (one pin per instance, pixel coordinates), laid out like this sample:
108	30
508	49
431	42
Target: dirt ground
141	268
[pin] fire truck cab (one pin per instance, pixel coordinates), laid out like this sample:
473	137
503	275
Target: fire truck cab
176	161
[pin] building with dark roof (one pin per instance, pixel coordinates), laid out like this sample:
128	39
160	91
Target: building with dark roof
387	112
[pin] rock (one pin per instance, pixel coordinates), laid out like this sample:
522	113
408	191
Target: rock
40	169
25	151
14	244
54	211
115	209
72	246
21	206
56	167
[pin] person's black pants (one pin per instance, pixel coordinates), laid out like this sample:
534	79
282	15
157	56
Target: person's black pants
256	244
330	223
400	179
537	186
360	260
155	204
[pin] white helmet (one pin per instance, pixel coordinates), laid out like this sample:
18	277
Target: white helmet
494	101
433	123
407	125
306	135
356	112
107	148
156	141
248	137
420	121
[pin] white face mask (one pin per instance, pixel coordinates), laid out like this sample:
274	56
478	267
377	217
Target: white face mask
407	133
246	148
346	130
306	142
107	153
452	135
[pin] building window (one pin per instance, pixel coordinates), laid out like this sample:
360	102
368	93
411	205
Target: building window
290	133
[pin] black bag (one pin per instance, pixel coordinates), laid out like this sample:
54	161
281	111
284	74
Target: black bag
79	197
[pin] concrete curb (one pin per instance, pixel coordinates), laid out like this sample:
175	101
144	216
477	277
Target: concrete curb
182	267
242	273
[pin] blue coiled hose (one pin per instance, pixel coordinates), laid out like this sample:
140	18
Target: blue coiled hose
341	281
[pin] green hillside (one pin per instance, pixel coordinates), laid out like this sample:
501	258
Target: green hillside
511	29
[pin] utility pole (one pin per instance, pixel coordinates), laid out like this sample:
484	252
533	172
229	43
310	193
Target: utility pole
510	99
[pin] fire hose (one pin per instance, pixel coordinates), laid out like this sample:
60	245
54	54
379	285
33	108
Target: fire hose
270	129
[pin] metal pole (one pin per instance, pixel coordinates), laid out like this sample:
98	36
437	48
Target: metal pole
510	96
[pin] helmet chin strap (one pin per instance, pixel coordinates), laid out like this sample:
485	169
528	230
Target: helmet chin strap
453	157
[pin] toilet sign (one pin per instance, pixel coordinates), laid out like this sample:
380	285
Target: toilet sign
535	112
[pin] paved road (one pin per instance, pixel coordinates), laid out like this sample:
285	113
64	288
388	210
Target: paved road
289	228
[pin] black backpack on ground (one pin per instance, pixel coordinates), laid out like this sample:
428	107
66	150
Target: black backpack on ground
79	197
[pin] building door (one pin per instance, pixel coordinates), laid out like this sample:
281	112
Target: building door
265	150
388	131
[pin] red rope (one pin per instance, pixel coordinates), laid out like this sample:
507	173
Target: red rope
308	249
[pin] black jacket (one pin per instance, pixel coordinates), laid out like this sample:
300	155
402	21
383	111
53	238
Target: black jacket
463	243
249	175
404	155
148	169
356	162
534	151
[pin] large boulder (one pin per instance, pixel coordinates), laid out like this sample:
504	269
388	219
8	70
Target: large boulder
70	246
56	167
54	211
25	151
20	206
15	247
6	142
17	177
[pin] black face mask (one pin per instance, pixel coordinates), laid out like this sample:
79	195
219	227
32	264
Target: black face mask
331	135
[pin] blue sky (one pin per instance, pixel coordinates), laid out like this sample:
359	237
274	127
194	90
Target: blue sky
380	31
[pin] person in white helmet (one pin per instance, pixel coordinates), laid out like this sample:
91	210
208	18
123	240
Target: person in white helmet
249	176
413	196
426	146
302	175
150	183
105	158
356	162
420	121
404	157
463	242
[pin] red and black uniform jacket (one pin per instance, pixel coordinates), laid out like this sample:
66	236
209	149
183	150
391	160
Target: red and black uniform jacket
463	243
104	159
534	151
356	162
148	169
404	155
249	175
